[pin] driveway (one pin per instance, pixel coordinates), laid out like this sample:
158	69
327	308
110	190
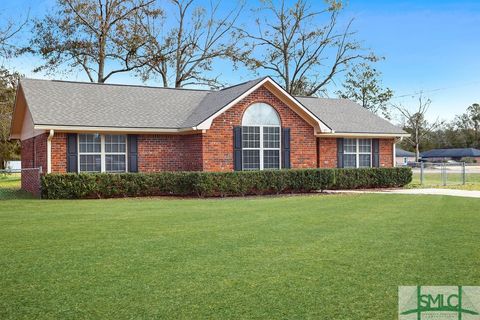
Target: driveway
440	192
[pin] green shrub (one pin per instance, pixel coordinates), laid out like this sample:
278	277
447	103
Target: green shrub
218	184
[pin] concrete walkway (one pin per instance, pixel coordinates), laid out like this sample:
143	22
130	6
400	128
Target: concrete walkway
440	192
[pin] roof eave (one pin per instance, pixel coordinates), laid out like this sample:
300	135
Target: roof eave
364	134
77	128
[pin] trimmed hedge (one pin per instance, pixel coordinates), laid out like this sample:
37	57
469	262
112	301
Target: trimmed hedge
218	184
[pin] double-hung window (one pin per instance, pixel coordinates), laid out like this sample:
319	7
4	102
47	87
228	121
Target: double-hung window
357	153
90	152
102	153
260	138
115	153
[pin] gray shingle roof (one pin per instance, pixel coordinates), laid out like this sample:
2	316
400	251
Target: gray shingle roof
63	103
403	153
346	116
451	153
216	100
103	105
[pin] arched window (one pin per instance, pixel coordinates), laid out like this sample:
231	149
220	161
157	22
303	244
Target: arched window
260	138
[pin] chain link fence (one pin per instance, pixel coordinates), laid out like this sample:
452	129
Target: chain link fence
445	173
20	183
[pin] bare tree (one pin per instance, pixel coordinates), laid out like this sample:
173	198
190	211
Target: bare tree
10	30
93	36
183	54
301	50
416	124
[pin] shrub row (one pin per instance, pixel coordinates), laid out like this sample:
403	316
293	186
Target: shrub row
212	184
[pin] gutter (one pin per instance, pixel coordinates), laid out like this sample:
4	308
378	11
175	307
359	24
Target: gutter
49	151
113	129
363	134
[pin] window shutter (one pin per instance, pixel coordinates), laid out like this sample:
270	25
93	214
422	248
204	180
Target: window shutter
72	153
375	153
285	148
237	148
132	153
340	153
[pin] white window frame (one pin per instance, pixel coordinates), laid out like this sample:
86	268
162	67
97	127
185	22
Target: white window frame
102	154
262	149
357	152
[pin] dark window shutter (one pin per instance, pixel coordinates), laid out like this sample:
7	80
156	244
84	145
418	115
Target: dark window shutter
285	148
132	153
72	153
237	148
375	153
340	153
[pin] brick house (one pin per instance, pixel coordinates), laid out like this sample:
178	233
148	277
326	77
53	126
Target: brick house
85	127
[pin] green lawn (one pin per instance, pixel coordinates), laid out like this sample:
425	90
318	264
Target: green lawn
320	257
10	187
454	181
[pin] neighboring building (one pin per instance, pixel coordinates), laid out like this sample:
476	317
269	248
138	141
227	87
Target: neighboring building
86	127
451	154
403	157
13	165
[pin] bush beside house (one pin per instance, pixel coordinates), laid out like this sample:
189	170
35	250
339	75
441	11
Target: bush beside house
218	184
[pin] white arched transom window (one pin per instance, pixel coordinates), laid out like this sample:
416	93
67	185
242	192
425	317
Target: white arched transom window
260	138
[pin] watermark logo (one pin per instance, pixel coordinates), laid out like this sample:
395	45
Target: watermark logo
438	302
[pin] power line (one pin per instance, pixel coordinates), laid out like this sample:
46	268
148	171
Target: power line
435	90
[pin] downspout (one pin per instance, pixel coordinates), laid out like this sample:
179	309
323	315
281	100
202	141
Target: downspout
49	151
395	150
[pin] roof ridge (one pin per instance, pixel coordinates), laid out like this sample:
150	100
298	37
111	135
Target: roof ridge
326	98
242	83
118	85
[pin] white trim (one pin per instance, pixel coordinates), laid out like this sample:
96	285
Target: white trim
364	135
323	126
394	153
49	151
208	122
111	129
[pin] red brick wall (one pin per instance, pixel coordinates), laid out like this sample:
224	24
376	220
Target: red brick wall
218	140
386	152
184	152
169	153
34	152
59	153
327	152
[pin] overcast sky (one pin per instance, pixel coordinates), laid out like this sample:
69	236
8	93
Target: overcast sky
430	46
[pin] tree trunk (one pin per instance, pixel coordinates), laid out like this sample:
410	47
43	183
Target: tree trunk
417	144
101	59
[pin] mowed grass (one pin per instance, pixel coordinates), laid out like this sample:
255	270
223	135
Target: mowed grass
10	187
299	257
454	181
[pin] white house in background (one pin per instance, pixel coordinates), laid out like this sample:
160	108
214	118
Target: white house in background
403	157
13	165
